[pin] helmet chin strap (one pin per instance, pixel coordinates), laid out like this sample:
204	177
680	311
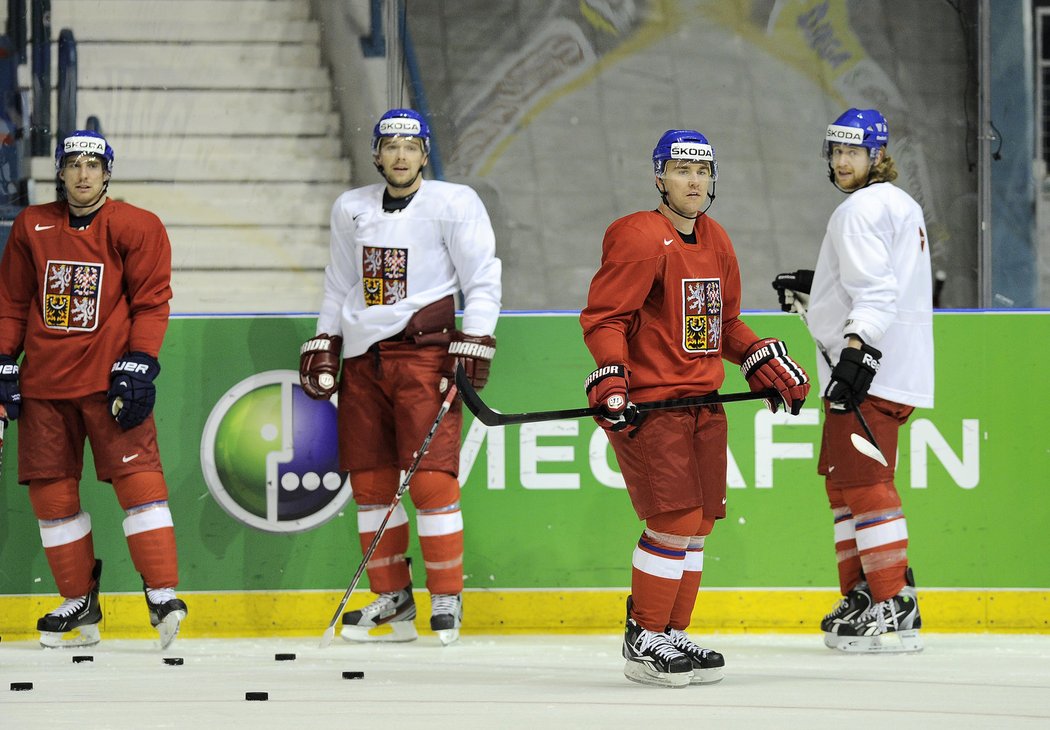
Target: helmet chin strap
710	201
74	206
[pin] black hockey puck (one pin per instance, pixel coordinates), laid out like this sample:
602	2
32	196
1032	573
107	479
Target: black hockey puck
256	695
353	675
173	661
284	657
21	686
83	658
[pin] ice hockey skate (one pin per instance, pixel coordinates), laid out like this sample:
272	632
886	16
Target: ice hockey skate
848	608
394	610
708	665
890	626
652	658
166	613
75	622
446	616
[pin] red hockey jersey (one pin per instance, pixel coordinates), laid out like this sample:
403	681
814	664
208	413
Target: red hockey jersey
668	309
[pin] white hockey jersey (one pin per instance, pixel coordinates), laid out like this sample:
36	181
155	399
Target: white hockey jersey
873	279
384	267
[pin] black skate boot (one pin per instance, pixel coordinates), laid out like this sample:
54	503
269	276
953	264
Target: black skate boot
81	615
396	610
652	658
166	612
848	608
446	616
708	665
890	626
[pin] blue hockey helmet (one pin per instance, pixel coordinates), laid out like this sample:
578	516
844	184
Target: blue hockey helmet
401	123
861	127
84	142
683	144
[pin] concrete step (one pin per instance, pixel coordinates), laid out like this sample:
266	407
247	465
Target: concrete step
241	292
69	13
257	167
167	114
218	102
100	28
181	77
248	247
183	147
233	204
226	56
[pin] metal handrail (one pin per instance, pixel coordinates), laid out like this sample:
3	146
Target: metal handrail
40	119
67	83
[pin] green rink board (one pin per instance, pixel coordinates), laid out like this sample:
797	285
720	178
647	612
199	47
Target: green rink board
541	504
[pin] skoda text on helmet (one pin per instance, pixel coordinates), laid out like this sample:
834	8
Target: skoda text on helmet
860	127
686	145
84	142
401	123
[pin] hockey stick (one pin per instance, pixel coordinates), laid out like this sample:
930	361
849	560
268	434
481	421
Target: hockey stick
329	633
869	447
3	423
490	417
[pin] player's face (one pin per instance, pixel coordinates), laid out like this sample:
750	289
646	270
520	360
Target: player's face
83	177
851	165
687	184
401	160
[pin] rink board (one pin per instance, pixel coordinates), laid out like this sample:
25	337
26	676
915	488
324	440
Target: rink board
545	512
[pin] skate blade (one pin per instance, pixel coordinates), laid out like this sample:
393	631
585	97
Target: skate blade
395	632
640	673
169	628
447	636
82	636
708	676
892	642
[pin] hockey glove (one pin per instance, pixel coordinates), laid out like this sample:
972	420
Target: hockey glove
319	366
131	390
607	389
851	377
10	392
476	353
767	365
794	286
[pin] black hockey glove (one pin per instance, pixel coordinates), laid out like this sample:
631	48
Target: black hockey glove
792	286
131	390
10	392
851	377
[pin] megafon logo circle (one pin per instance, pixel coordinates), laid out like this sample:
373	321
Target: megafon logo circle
270	455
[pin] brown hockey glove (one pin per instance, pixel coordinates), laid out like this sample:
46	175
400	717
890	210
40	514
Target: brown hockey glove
476	353
319	365
607	389
767	365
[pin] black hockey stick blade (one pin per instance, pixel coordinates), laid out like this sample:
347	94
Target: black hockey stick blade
490	417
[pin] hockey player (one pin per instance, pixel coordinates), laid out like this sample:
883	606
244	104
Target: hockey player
870	306
400	251
662	313
84	291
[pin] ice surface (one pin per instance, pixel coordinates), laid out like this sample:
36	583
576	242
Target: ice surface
526	681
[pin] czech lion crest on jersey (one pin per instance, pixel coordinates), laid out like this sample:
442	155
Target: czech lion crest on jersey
701	315
385	274
71	295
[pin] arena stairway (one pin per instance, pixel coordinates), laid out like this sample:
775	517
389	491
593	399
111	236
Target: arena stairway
221	119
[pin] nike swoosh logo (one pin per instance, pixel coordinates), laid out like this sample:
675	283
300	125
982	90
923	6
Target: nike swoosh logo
126	459
668	241
723	500
42	228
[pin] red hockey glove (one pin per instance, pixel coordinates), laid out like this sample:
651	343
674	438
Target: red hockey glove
851	377
319	366
767	365
794	286
607	389
476	353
